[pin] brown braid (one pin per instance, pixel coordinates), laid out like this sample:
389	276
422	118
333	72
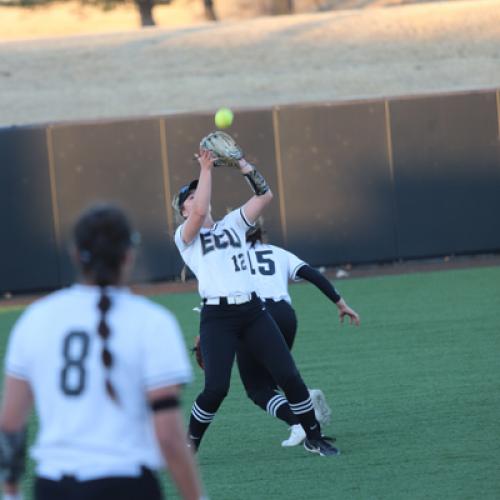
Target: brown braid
104	332
254	235
103	237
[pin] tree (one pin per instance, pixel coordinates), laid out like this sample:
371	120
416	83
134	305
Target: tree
209	10
145	7
146	12
281	7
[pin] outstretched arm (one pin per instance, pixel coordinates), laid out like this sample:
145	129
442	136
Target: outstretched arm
201	201
254	207
316	278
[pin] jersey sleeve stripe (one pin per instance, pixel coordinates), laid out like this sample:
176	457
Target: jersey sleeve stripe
245	220
16	372
296	269
166	379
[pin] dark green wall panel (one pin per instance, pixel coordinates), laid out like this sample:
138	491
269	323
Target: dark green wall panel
28	248
337	183
447	174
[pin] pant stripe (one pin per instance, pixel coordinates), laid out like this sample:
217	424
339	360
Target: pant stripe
274	403
302	407
201	415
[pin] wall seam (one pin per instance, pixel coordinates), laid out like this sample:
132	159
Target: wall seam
390	157
497	93
166	179
279	175
54	204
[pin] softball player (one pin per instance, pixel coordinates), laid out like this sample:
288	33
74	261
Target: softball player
272	267
103	368
232	312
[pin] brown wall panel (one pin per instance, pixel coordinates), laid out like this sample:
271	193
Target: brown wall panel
337	183
447	174
254	132
119	162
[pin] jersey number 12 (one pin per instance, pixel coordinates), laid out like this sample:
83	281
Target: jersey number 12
265	265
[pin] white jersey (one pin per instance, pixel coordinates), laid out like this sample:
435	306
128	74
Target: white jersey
273	267
55	347
218	257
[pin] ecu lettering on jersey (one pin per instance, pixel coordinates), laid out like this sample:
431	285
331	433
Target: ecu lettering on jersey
218	257
213	241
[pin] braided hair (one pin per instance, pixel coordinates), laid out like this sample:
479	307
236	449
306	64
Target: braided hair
103	236
254	236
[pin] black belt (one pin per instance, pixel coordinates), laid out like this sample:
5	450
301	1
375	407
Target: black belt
145	471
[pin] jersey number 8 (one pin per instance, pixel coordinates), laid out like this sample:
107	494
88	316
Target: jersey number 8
75	350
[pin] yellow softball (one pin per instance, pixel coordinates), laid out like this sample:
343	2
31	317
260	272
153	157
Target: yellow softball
224	118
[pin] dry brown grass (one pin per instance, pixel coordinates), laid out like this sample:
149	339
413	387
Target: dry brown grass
251	63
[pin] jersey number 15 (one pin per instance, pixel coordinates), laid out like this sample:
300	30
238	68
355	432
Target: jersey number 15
265	265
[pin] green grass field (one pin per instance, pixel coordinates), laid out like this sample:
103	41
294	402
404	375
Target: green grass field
415	392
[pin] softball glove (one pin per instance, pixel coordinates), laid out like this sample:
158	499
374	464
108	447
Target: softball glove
224	148
196	349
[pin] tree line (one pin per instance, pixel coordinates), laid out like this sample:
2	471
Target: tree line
145	7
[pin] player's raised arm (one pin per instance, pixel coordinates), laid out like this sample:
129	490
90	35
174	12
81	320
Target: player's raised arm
196	207
254	207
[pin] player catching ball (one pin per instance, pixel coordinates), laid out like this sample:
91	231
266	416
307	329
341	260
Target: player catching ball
272	267
232	311
102	366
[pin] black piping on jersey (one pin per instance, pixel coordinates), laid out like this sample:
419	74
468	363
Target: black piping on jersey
165	379
245	220
296	270
17	372
213	228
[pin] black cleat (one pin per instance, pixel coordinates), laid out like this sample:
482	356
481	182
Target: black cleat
321	446
329	438
193	443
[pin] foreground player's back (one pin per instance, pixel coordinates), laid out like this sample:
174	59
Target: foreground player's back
57	348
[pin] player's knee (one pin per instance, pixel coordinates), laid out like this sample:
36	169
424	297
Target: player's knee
259	397
289	339
291	381
216	394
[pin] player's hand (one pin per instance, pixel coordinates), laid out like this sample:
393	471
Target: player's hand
205	159
345	310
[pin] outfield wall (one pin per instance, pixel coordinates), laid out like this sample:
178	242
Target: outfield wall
354	182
